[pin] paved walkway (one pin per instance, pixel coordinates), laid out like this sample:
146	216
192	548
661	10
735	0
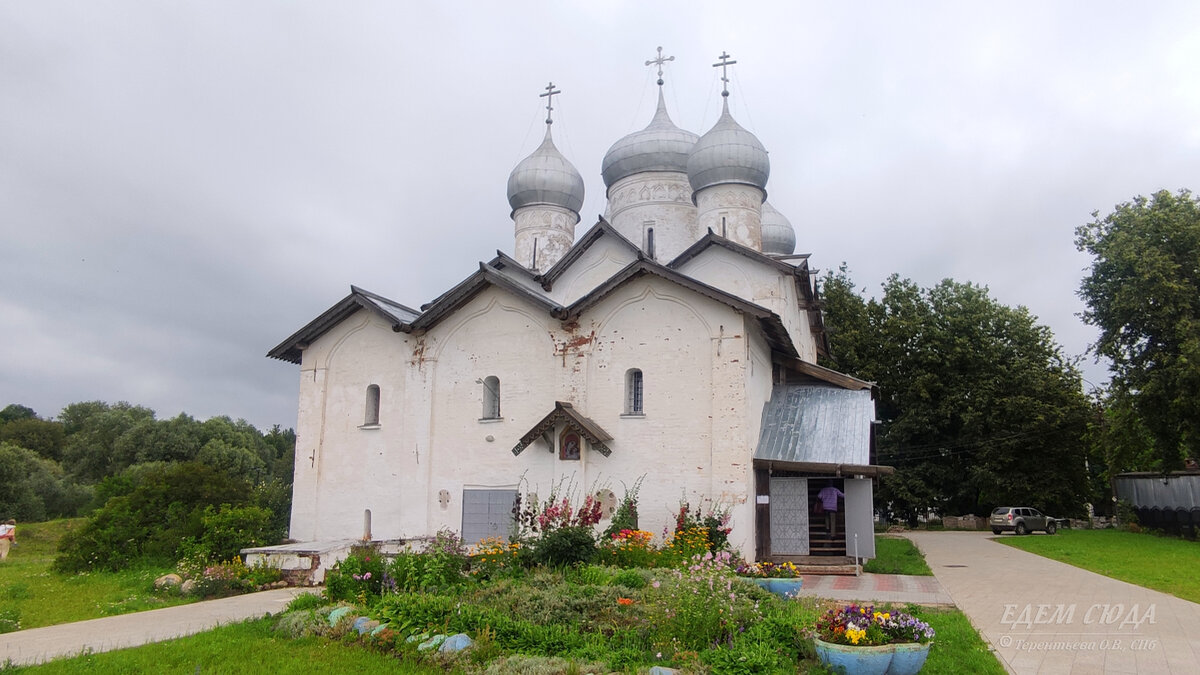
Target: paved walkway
36	645
1043	616
877	588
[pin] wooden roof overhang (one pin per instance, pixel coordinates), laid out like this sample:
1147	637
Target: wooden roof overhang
826	468
566	414
396	314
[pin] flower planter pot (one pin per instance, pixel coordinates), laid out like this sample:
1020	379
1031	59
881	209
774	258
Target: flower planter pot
899	659
908	658
855	660
784	588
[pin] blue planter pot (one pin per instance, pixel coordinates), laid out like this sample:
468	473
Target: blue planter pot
784	588
908	658
900	659
854	660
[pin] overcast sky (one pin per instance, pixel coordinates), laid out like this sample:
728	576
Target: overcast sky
184	184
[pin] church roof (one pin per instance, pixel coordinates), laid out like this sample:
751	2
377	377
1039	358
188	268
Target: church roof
601	229
566	413
390	310
818	428
661	146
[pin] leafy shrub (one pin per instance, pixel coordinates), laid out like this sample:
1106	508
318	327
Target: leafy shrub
746	658
424	572
359	575
306	601
630	579
161	510
229	529
565	546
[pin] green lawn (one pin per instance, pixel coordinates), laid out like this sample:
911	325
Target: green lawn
1161	563
897	555
238	648
31	593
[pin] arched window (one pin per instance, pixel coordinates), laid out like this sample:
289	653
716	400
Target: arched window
371	416
650	242
633	392
491	398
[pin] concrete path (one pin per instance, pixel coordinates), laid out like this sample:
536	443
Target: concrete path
1043	616
877	588
37	645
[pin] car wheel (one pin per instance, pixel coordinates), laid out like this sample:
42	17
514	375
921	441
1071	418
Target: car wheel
995	530
1021	528
1051	528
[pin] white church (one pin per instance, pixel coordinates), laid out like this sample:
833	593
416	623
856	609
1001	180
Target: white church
674	341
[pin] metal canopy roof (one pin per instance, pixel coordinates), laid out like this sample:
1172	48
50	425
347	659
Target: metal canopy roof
817	428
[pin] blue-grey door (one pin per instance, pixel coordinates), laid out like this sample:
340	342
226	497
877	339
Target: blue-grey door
487	513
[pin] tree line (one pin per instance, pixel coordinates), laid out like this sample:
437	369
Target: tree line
980	407
153	489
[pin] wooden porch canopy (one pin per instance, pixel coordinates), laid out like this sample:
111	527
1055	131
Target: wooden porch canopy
565	413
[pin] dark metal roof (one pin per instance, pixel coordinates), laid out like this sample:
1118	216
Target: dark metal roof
817	424
713	239
396	314
468	288
565	413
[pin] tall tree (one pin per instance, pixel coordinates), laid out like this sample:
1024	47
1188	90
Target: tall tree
1143	293
979	406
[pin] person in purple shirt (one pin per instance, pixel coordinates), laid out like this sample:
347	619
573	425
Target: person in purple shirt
829	501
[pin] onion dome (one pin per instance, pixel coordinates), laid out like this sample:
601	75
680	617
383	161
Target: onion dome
728	154
778	237
661	146
547	178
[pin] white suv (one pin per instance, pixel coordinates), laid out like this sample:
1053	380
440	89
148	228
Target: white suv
1021	519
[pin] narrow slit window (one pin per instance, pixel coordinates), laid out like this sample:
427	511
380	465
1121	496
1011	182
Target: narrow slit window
371	415
491	398
633	392
650	242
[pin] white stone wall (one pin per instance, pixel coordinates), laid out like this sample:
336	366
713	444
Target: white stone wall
732	211
760	283
545	231
694	442
597	264
657	199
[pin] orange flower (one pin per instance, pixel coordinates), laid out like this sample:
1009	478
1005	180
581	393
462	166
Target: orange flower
624	601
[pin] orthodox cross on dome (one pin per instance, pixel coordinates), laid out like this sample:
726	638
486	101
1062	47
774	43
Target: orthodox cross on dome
549	96
724	66
659	62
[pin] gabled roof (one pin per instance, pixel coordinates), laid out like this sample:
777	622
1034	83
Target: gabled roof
391	311
712	239
770	322
566	414
601	229
468	288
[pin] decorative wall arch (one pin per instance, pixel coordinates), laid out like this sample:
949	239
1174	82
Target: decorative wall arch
441	342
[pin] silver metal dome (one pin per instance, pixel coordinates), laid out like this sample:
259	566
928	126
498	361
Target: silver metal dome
661	146
546	177
778	236
728	154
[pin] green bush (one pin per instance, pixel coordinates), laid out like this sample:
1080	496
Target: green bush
150	516
564	546
424	572
358	576
229	529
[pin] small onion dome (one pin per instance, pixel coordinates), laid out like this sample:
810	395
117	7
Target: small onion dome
728	154
778	237
546	177
661	146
